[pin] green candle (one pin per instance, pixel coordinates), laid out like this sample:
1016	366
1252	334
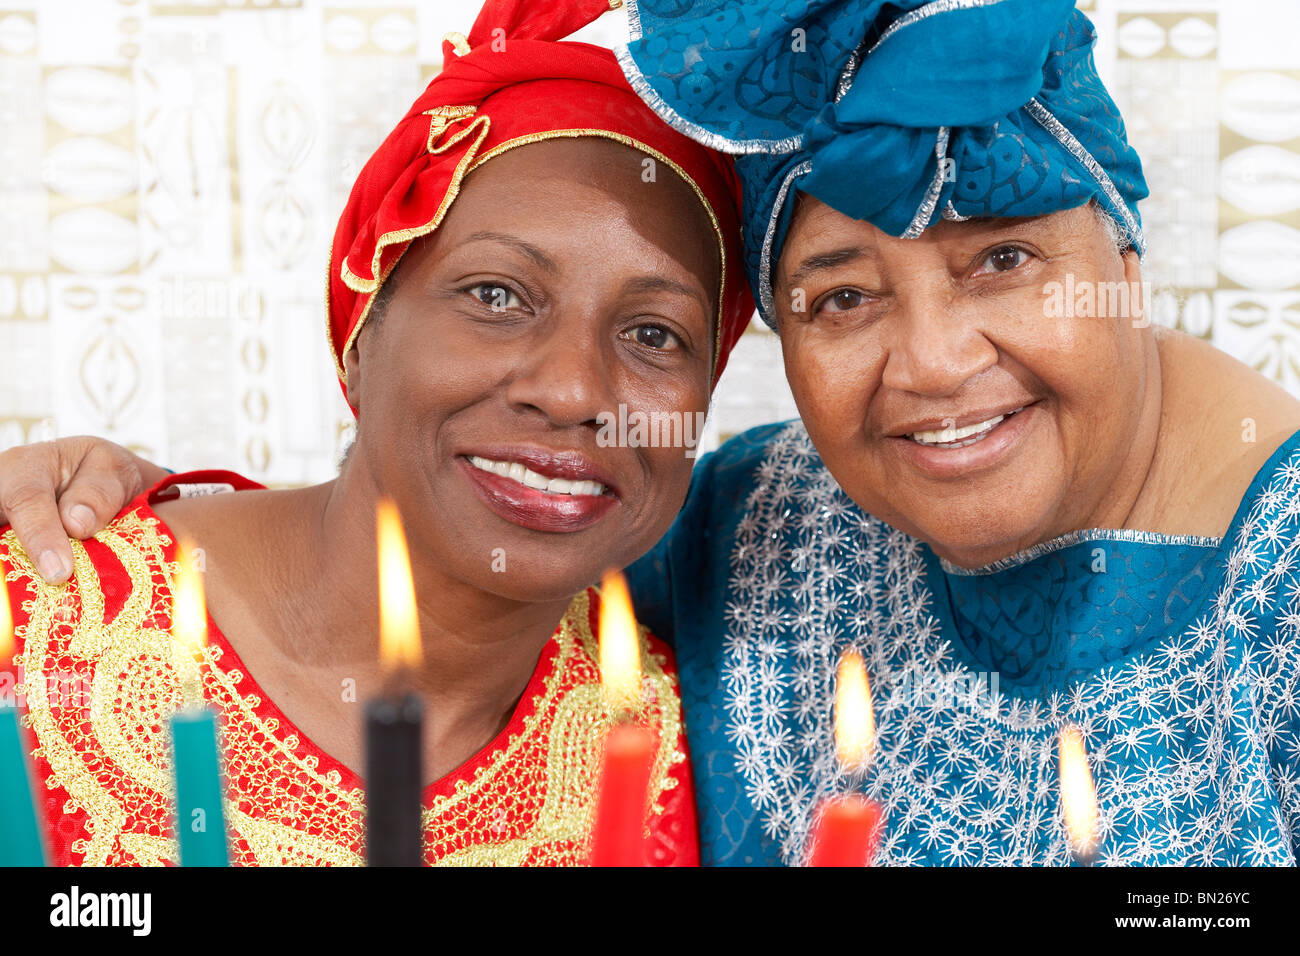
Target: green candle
20	838
200	816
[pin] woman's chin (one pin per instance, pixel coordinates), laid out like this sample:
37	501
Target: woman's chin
975	530
973	516
974	544
528	591
534	573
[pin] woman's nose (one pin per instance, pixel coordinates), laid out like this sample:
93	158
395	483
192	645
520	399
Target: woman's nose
935	348
565	374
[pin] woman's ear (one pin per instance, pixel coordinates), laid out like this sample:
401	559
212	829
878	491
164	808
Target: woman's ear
1132	266
352	368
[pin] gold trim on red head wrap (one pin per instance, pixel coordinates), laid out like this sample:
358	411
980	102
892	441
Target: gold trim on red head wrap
516	85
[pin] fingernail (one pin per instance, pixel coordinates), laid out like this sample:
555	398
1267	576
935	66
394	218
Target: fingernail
82	517
53	568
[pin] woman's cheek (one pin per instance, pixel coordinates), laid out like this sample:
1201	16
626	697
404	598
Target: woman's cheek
833	377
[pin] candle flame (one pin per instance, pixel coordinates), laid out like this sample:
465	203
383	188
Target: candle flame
620	648
189	614
6	621
399	624
189	623
1078	796
855	721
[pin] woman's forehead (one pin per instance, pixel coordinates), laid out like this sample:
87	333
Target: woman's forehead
816	224
616	192
534	171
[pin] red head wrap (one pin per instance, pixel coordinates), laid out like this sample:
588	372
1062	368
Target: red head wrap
511	83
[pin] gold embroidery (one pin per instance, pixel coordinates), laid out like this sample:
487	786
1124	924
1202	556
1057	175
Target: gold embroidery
530	802
275	844
444	116
459	42
124	677
49	612
559	832
149	850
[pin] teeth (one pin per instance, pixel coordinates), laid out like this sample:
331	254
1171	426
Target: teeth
525	476
958	436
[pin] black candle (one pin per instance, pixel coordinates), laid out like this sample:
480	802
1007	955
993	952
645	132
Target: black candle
395	718
394	727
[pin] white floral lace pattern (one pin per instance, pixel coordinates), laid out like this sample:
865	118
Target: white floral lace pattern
1193	741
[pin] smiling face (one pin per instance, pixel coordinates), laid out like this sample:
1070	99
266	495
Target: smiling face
947	393
559	287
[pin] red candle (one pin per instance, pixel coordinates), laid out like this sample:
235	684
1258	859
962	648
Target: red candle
630	748
619	837
846	829
845	833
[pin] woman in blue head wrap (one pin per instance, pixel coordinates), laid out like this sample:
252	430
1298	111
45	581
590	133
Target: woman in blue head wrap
1022	504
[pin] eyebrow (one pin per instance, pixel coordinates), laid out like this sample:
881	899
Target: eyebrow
650	284
838	257
528	249
828	260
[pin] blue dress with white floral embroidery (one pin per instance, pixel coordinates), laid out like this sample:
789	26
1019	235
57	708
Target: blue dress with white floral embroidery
1177	657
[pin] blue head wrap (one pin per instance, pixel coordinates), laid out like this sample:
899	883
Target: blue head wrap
898	113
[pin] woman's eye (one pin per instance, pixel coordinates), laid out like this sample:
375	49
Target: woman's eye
1004	259
498	298
654	337
843	300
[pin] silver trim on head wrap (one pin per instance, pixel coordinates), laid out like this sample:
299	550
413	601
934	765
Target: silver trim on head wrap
929	10
1049	122
845	82
766	299
931	199
951	214
705	137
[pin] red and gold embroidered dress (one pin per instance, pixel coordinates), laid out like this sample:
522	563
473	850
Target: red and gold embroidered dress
96	677
95	654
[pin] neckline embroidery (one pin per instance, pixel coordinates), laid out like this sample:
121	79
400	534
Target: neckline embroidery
519	728
1071	538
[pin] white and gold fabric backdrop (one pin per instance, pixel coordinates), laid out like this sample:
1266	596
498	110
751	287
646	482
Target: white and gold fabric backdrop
171	170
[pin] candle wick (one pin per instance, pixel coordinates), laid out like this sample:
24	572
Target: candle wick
191	680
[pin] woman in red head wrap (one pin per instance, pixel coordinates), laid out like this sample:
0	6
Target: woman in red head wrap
530	254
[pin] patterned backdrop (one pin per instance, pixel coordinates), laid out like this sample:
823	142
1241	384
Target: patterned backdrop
170	173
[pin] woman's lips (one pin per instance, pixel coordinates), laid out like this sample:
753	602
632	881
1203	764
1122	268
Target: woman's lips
969	453
534	508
